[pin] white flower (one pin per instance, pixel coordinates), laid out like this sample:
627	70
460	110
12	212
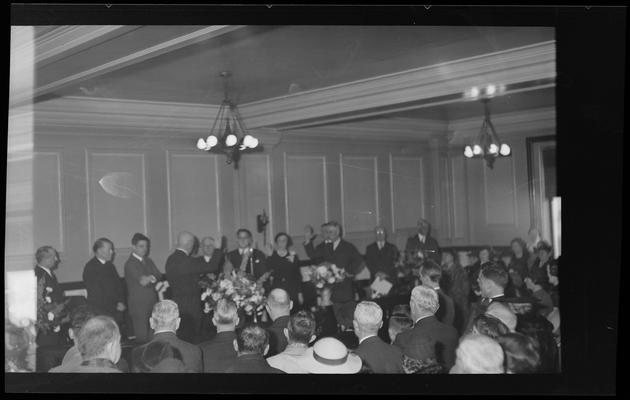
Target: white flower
48	289
51	316
216	296
331	280
248	308
48	299
56	328
206	308
319	285
224	284
322	270
256	261
205	294
229	291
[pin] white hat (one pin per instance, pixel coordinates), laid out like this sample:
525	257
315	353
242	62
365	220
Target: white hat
504	314
329	356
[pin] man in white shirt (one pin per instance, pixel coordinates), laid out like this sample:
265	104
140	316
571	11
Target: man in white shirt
300	331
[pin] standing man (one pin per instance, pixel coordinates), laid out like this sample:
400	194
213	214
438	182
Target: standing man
247	259
381	258
345	256
182	273
278	307
104	288
211	261
141	275
422	245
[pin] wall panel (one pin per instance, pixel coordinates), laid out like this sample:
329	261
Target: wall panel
306	197
359	191
500	193
408	191
47	202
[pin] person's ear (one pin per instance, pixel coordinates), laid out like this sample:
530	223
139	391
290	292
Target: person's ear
312	339
151	323
236	321
177	322
235	345
70	333
380	324
266	350
286	333
214	321
355	325
291	305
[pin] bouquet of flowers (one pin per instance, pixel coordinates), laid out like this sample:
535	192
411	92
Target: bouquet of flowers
245	292
50	316
326	274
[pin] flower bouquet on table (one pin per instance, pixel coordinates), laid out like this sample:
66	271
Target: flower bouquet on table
242	289
326	274
50	316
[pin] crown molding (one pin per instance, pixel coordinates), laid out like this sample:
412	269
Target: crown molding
522	64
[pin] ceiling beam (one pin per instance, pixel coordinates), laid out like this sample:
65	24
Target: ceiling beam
139	56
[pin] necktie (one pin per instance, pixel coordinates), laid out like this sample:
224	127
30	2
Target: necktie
329	247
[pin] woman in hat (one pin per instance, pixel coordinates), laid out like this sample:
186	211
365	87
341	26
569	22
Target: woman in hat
330	356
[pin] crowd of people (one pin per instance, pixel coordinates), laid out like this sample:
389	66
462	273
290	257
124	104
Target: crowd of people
497	314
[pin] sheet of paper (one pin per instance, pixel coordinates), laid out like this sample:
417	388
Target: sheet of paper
381	286
306	273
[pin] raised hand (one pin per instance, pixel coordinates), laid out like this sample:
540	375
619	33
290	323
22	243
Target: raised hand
268	249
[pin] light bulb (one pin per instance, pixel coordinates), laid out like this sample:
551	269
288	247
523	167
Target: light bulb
254	143
490	90
468	152
201	144
505	150
493	149
474	91
231	140
212	141
247	140
476	149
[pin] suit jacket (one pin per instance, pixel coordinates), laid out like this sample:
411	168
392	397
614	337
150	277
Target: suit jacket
214	265
427	338
218	353
191	354
104	288
383	260
345	256
277	340
252	364
49	288
446	312
381	357
430	248
257	261
480	307
286	274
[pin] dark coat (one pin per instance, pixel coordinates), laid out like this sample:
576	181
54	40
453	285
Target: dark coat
56	295
480	307
455	283
381	357
345	256
429	337
191	354
104	288
214	265
252	364
141	299
257	261
277	339
286	274
430	248
218	353
383	260
446	312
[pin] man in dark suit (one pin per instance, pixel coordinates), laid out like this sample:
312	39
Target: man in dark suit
422	245
252	344
165	321
381	256
492	280
141	275
429	336
182	273
380	357
246	259
104	288
430	275
211	260
278	307
345	256
218	353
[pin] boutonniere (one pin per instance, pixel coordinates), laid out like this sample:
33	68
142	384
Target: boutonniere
256	261
48	289
56	329
50	316
48	299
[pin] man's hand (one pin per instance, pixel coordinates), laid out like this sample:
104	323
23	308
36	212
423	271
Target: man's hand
120	307
146	279
381	275
268	250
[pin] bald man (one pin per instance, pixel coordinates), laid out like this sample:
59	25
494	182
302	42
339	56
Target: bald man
278	307
182	273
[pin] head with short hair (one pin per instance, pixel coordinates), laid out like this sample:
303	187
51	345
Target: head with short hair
448	257
186	241
100	338
225	315
104	249
279	303
380	233
430	274
544	250
521	354
485	254
301	328
503	313
252	339
283	241
156	351
207	246
243	238
398	324
518	246
78	317
424	227
478	354
368	319
140	244
493	278
47	256
165	316
490	326
424	301
333	229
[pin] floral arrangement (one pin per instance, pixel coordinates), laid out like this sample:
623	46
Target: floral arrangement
326	274
50	316
240	288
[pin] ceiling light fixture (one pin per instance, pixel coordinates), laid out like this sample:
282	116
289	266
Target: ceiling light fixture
488	145
228	134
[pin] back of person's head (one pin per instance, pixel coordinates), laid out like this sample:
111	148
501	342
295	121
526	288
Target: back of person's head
521	353
545	246
78	317
478	354
503	313
43	253
495	273
225	313
161	357
368	317
401	310
279	303
540	329
424	300
398	324
431	271
489	326
252	339
165	316
99	338
301	328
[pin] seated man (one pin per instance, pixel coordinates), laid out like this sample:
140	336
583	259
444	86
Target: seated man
521	354
380	357
490	326
397	324
299	332
478	354
99	344
159	357
430	275
165	322
251	345
218	353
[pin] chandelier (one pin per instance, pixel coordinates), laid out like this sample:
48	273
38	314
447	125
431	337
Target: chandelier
228	134
487	145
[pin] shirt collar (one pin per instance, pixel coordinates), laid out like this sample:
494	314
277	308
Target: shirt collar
421	237
101	261
336	243
495	296
137	256
294	349
421	318
164	331
207	258
179	248
241	251
380	244
48	271
367	337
